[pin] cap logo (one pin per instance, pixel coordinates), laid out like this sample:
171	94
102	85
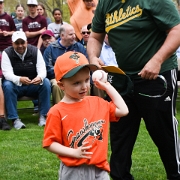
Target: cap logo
75	57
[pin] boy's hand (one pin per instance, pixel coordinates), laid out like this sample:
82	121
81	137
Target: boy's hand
101	85
81	152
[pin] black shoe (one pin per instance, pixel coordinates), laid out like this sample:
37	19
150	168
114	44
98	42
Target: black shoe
3	124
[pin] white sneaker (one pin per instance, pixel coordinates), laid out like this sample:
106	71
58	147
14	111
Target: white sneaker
18	124
42	121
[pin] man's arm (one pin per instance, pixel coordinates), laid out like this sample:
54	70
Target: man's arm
172	42
7	70
41	67
35	33
94	46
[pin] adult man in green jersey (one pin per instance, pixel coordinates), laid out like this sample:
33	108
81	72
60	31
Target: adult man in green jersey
144	35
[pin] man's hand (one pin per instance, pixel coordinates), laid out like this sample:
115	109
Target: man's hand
6	33
151	69
36	80
42	30
98	62
25	80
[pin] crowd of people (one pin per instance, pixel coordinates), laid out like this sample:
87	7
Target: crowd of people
51	39
41	57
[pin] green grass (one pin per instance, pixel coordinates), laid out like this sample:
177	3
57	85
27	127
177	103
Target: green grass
23	158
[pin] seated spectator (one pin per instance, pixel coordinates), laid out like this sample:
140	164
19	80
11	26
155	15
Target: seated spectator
58	22
65	43
85	35
3	123
47	38
24	70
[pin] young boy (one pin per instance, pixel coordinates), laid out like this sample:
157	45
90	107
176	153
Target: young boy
77	127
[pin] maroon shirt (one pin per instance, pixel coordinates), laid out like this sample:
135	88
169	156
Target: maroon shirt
33	24
0	66
6	24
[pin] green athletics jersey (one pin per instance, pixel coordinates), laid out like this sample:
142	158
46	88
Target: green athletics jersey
136	30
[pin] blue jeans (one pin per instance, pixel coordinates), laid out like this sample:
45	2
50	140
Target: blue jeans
12	92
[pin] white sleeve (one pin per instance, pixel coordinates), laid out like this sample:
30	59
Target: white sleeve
7	70
40	65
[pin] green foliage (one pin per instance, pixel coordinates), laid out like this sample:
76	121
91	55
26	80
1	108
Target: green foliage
10	5
23	158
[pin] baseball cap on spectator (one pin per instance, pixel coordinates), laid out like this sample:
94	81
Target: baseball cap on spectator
48	33
68	64
33	2
1	0
18	35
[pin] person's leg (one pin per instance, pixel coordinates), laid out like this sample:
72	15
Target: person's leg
122	137
163	126
3	123
2	108
10	94
36	107
57	93
43	92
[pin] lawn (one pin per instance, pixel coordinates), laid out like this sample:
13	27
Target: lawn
23	158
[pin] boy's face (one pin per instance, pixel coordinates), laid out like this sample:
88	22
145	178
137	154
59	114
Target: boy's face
76	87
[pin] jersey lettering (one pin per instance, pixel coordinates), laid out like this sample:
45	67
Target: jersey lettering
89	132
34	25
3	22
122	16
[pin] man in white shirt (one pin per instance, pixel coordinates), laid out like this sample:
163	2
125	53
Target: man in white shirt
107	54
25	75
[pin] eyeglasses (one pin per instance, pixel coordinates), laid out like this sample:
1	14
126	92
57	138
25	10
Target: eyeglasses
86	32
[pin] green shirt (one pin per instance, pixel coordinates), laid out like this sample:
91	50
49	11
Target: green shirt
136	30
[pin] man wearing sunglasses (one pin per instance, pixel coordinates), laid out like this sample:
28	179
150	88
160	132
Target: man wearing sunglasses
85	35
65	43
34	25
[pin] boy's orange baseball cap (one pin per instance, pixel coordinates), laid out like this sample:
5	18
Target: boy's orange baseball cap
68	64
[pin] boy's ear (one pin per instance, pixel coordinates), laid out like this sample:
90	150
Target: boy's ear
61	85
